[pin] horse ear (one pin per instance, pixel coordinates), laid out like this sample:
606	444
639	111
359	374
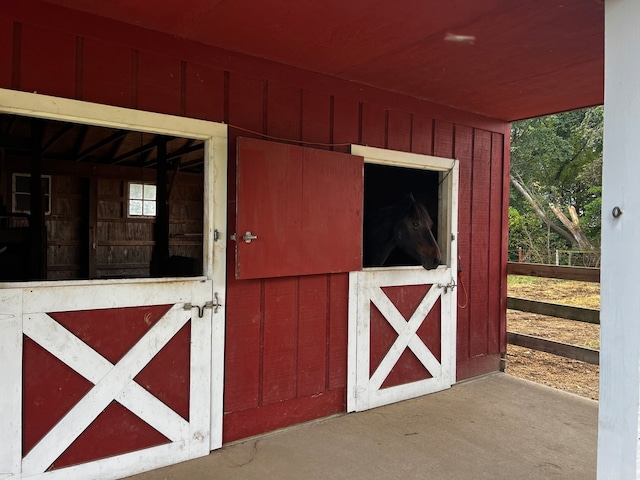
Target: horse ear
407	202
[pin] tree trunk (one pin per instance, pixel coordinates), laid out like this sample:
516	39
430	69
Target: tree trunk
538	211
573	226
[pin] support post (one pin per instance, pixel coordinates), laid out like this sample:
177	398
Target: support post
619	407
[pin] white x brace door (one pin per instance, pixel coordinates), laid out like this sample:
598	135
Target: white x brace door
402	320
45	321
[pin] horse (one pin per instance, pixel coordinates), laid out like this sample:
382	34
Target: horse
405	225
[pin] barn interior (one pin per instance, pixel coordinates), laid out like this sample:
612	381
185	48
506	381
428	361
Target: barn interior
387	184
80	201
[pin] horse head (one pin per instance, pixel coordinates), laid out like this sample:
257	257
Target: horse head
414	236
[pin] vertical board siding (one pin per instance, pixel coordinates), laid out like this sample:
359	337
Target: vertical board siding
280	340
399	131
106	73
422	135
338	301
316	118
158	83
373	125
243	345
244	325
480	242
286	339
313	314
464	152
495	243
284	107
49	53
346	123
6	52
205	93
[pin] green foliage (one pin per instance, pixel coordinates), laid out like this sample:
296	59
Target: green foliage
559	160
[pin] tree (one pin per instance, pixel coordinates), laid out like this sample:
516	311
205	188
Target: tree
556	165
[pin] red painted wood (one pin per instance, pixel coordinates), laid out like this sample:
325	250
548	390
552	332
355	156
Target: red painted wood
167	376
205	93
313	342
114	432
106	73
284	104
346	121
246	103
50	389
463	152
479	307
373	125
279	368
443	139
338	299
316	118
158	83
243	345
6	52
305	206
408	368
497	222
49	53
399	131
422	135
111	332
381	338
504	238
247	423
481	365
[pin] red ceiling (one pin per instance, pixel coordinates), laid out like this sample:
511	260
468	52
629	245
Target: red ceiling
512	59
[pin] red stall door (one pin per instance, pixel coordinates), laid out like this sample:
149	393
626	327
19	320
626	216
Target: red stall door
299	210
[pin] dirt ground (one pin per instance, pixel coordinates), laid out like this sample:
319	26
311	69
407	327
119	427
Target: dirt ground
563	373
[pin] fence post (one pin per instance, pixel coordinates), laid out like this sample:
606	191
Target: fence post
519	254
557	257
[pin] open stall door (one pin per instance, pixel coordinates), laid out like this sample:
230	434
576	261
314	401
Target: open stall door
402	320
299	210
109	377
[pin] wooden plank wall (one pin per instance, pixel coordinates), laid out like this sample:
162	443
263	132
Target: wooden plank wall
286	338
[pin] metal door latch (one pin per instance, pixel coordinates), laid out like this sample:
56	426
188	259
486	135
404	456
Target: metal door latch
451	285
248	237
210	304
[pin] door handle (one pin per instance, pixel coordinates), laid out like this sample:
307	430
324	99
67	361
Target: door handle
248	237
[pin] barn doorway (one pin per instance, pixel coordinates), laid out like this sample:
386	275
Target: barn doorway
133	345
402	317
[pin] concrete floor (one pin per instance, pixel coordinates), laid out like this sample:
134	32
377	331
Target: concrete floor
494	427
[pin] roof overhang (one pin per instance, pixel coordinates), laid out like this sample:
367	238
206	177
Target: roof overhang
504	59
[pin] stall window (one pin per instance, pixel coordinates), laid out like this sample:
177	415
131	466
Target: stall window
21	193
142	200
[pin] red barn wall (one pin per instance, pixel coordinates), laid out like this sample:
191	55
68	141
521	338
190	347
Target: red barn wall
286	342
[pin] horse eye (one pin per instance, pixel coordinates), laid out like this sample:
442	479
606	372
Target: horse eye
416	224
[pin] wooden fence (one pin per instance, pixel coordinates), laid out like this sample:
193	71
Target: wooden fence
589	315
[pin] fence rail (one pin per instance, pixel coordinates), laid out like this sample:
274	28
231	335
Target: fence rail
589	315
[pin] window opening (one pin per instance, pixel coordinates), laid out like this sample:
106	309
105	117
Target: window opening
21	193
142	200
102	219
393	187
